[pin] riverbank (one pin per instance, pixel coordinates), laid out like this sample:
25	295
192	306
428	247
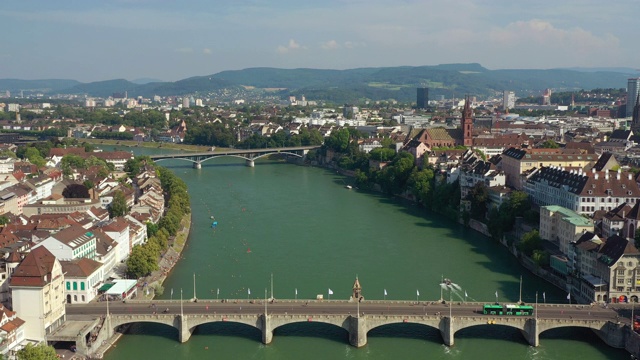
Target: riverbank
148	144
167	260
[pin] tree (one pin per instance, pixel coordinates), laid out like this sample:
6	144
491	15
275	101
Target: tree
478	195
549	144
4	220
530	242
142	261
118	205
420	184
76	191
33	155
37	352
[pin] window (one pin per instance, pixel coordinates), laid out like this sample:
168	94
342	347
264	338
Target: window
68	285
75	298
83	298
620	281
82	285
75	285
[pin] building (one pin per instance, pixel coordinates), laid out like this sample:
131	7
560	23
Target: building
508	100
11	333
582	192
516	161
82	279
422	100
617	264
562	226
633	90
71	243
37	287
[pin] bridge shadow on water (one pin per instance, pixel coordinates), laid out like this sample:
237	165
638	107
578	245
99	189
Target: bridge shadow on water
228	329
153	330
313	330
491	332
407	331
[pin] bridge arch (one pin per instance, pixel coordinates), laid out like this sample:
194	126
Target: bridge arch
321	329
177	158
277	153
225	155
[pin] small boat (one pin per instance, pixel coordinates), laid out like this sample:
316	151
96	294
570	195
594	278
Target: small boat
349	187
212	217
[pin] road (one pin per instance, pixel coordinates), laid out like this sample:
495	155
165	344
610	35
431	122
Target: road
315	308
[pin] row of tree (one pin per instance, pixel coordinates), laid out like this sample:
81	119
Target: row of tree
144	258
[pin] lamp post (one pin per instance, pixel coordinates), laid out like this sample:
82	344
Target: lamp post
535	313
181	306
520	301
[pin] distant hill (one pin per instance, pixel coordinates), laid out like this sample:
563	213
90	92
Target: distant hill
142	81
352	85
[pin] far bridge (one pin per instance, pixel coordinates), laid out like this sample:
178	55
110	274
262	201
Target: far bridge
249	155
356	318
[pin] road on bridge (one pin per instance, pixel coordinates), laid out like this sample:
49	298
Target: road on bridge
316	308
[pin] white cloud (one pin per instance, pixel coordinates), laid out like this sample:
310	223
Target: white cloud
185	50
291	46
330	45
207	51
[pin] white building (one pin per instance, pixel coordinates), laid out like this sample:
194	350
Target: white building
118	230
508	100
82	279
38	293
71	243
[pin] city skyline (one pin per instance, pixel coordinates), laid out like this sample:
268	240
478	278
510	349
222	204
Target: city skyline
169	41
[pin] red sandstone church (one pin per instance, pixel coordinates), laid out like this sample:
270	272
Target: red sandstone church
440	137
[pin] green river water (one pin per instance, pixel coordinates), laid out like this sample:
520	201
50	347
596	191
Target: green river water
303	226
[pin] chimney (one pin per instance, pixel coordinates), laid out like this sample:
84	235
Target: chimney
593	170
595	175
618	175
606	175
630	176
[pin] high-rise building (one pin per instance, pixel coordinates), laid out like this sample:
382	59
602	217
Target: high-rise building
185	102
422	98
508	100
546	97
633	89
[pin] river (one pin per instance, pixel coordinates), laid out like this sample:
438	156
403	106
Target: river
303	226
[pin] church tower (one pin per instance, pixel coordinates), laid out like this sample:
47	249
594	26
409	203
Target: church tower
467	123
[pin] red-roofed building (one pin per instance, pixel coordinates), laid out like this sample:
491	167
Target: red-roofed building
82	279
11	331
38	293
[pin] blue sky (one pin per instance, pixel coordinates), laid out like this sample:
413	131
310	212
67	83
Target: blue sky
93	40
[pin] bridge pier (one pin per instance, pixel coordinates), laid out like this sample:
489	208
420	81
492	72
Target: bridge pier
357	331
185	332
197	165
250	163
446	330
267	331
531	333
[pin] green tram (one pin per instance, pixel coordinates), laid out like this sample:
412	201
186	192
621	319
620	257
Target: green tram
509	309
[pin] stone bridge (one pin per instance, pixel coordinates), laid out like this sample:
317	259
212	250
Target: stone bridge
611	333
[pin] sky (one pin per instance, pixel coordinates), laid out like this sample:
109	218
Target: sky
93	40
